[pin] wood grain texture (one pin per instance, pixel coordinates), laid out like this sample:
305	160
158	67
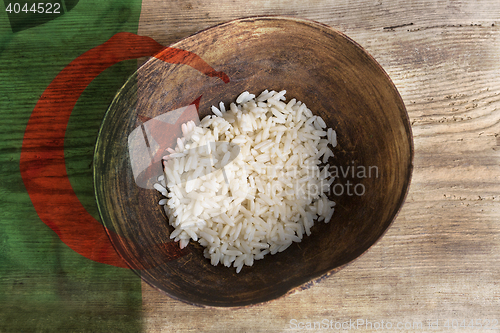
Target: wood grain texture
441	257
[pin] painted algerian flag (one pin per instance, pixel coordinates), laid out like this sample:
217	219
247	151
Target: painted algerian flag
45	286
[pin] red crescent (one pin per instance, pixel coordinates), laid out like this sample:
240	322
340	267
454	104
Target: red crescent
42	163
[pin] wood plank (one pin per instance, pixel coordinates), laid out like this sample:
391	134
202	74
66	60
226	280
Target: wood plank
440	259
168	21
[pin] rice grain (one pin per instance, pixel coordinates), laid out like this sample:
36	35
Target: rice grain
264	199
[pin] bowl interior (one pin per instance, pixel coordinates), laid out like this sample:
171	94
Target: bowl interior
317	65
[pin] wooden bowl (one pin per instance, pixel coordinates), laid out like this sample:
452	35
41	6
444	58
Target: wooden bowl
317	65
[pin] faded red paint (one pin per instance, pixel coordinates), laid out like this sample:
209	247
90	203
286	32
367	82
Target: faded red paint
42	162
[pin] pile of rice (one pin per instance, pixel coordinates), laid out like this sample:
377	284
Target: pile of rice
263	200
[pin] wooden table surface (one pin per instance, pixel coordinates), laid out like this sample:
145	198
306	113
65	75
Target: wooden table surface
439	263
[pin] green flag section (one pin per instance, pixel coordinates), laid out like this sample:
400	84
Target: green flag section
44	285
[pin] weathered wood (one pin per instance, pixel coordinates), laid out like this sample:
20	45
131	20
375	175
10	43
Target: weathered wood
440	258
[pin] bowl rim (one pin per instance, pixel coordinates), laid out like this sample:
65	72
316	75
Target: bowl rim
406	122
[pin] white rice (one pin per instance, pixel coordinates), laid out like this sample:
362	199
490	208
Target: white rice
264	199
